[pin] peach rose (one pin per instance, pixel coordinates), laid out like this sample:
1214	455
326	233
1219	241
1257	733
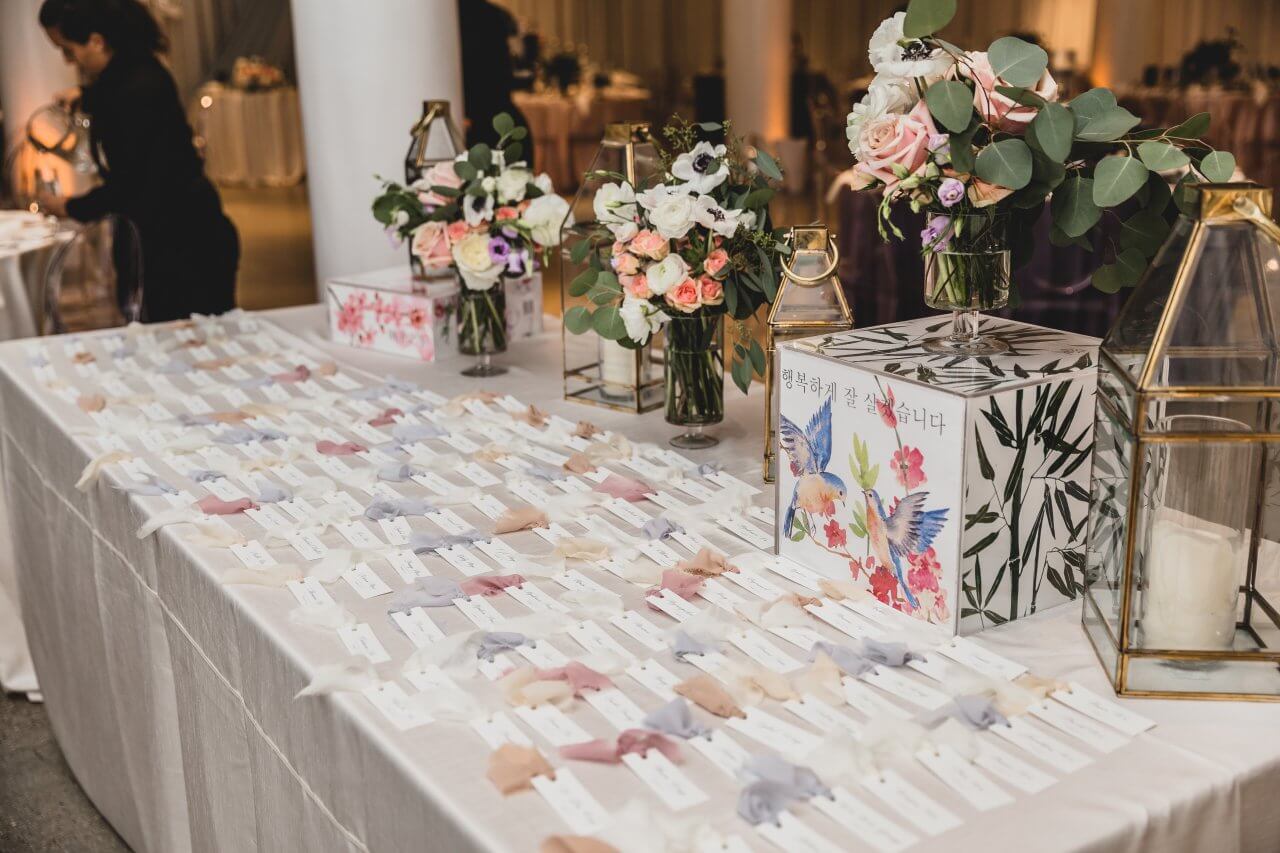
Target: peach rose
505	213
685	296
712	291
649	244
997	109
983	194
894	140
715	261
457	230
626	264
430	245
636	286
439	175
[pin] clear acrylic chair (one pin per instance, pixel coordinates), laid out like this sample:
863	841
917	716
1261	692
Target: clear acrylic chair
94	279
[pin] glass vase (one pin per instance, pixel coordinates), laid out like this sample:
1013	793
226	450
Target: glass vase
694	373
482	327
966	271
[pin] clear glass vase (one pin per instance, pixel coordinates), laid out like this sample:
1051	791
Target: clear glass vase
967	270
482	327
694	373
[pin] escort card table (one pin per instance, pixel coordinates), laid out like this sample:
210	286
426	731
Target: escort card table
172	693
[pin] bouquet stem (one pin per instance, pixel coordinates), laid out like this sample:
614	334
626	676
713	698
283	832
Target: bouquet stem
482	328
694	376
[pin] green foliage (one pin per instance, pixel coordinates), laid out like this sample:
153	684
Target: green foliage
1116	178
1159	156
1053	127
1007	163
1019	62
951	103
863	472
926	17
1218	167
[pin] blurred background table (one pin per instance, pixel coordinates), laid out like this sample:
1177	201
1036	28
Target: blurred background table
250	137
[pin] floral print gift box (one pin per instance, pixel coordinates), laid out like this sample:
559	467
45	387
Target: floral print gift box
954	489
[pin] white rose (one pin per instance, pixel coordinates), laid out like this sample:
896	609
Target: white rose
695	167
885	95
544	216
489	183
670	210
640	318
710	215
615	207
476	210
666	273
471	255
889	54
512	185
543	182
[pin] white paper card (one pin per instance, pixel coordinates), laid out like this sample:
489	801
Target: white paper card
575	805
365	582
418	627
639	629
360	640
774	733
1011	769
593	638
657	678
790	835
499	729
310	593
407	565
916	807
665	779
1103	710
390	698
1041	745
721	750
552	725
863	821
963	778
478	609
1077	725
615	707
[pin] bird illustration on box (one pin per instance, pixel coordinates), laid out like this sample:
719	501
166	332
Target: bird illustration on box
809	453
908	529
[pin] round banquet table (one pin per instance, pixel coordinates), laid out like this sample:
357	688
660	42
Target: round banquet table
172	694
251	138
567	128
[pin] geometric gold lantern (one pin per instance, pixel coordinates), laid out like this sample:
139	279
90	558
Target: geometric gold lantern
599	371
809	302
1184	523
434	138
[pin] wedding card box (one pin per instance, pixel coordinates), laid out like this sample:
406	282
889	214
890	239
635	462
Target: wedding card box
953	488
388	311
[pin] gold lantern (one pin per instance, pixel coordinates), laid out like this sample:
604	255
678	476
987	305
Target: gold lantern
809	302
1184	520
597	370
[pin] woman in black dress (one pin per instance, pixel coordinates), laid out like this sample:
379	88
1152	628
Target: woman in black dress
142	144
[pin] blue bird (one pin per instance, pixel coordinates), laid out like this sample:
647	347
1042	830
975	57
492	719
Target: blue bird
909	529
809	453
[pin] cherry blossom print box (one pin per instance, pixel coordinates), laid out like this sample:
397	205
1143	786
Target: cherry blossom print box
954	489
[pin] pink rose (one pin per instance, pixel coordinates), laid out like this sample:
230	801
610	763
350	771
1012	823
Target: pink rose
715	261
983	194
895	141
430	245
439	175
685	296
648	244
636	285
457	230
626	264
712	291
997	109
619	247
505	212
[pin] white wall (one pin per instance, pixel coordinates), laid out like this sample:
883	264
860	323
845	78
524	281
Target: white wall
31	69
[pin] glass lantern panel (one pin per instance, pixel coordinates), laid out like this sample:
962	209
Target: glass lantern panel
1130	340
1182	415
1196	521
1197	678
1113	391
804	303
1223	332
1108	537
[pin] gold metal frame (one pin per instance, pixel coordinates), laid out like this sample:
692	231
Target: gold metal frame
1217	203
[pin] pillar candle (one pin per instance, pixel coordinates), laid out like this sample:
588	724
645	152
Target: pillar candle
1192	585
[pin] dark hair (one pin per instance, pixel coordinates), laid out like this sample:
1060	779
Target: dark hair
127	26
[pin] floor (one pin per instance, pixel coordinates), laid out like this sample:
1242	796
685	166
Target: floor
41	806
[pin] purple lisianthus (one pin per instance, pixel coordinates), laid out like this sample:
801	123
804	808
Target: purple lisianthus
499	250
950	192
393	236
937	234
517	263
939	143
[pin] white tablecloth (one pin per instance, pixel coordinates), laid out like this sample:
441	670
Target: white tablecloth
251	138
171	694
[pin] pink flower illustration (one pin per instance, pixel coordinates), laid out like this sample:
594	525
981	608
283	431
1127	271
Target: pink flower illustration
417	317
885	408
350	317
836	535
908	467
925	571
884	586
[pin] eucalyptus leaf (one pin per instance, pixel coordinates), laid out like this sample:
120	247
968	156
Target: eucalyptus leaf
577	319
480	156
1016	61
1145	231
741	372
1161	156
926	17
1054	126
1130	264
503	123
465	170
1218	167
579	251
519	133
1193	128
767	165
1108	126
1116	178
1006	163
1022	95
582	282
1185	196
757	357
951	103
1074	211
1060	238
608	323
962	150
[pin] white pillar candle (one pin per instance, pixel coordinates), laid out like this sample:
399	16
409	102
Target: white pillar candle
617	367
1192	587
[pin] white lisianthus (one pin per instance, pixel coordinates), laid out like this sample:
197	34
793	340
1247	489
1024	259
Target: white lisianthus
640	318
476	210
670	210
695	167
543	182
544	216
747	220
720	220
666	274
885	95
471	255
615	207
512	184
894	54
489	183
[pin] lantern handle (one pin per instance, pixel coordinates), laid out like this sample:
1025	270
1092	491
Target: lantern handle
1249	209
814	279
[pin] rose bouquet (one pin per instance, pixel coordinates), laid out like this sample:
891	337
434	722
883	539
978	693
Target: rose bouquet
979	141
485	215
681	253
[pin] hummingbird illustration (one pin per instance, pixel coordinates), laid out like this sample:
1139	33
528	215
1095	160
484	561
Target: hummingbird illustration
909	529
809	453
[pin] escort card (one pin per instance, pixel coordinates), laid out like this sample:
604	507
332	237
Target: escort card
498	729
721	750
593	638
360	640
310	593
365	582
963	778
774	733
552	725
407	565
390	698
501	553
461	558
418	627
913	805
866	823
478	609
665	779
657	678
575	805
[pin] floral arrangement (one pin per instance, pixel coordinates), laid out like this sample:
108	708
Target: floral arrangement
695	242
253	73
954	132
486	214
